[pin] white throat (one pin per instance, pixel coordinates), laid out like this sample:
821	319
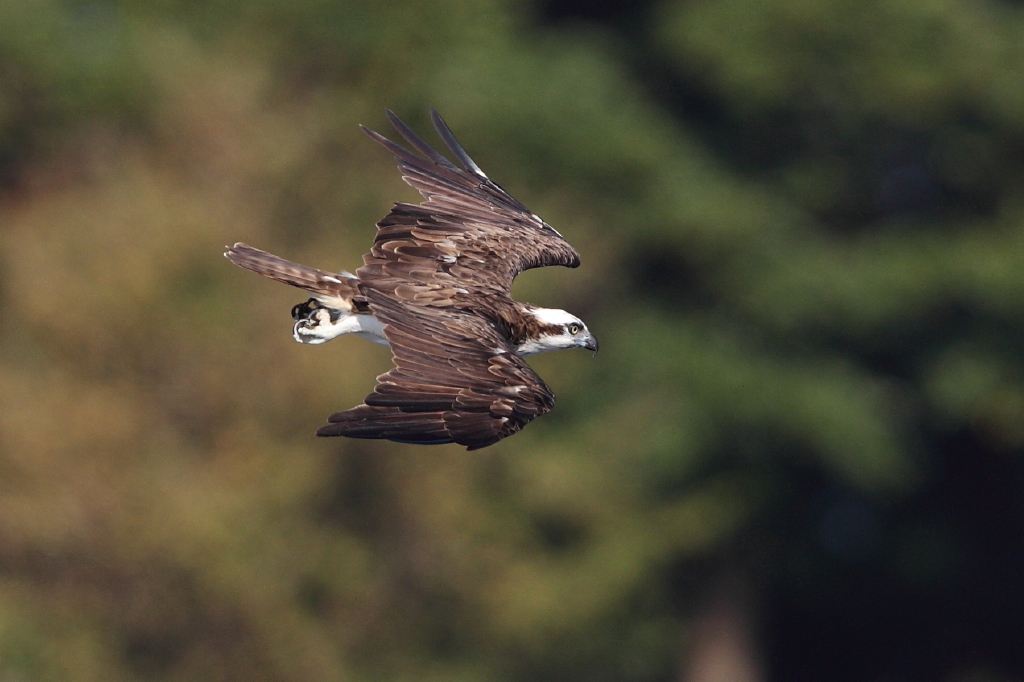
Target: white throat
544	343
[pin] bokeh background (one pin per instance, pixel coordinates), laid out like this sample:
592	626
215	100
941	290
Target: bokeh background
798	457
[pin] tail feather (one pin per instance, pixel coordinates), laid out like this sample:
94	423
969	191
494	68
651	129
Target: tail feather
331	289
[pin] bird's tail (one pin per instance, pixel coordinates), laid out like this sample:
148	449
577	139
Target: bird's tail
335	290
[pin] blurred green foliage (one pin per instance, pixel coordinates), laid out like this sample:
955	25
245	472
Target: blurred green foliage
801	229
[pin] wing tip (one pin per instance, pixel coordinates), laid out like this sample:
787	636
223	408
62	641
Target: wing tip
328	430
423	147
457	149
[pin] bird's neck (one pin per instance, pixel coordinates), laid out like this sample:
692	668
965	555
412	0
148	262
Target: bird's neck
521	323
532	323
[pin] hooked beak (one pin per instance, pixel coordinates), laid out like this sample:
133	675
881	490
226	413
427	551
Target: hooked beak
590	342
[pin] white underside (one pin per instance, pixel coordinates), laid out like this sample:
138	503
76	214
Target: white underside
320	328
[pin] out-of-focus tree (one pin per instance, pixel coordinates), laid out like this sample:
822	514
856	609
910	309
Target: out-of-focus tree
799	447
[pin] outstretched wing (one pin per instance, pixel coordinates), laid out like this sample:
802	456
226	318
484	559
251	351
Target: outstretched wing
468	227
456	380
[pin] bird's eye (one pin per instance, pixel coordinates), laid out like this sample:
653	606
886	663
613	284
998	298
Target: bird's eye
574	329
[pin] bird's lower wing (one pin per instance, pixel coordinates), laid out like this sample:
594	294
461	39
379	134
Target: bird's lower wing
455	381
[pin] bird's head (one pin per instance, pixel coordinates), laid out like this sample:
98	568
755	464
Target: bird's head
554	329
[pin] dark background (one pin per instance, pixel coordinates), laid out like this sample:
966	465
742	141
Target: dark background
798	456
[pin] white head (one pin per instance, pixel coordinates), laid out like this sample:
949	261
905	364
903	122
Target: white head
557	329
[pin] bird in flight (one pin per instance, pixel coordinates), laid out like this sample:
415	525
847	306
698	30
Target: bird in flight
435	288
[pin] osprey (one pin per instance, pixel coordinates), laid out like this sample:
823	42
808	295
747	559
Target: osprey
435	288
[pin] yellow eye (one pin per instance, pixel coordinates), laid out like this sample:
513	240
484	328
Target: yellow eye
574	329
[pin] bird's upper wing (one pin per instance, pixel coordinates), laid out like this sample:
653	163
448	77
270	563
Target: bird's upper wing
468	227
456	379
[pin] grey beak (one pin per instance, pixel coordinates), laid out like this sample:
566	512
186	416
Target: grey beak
590	342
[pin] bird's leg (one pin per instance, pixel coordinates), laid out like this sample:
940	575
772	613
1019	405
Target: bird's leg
311	319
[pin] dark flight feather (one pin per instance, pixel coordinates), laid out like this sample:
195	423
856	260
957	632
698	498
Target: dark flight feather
449	139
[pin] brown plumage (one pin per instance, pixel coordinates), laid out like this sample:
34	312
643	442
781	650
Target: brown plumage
437	278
